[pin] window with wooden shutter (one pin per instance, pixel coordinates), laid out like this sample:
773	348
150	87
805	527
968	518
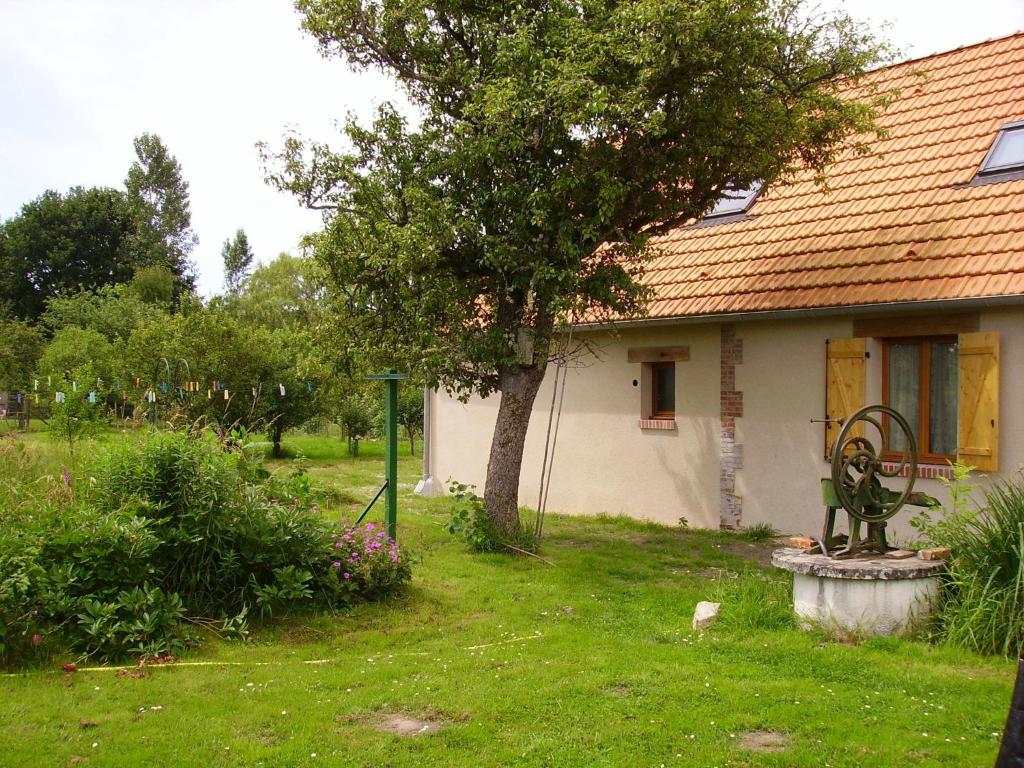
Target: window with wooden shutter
844	384
978	438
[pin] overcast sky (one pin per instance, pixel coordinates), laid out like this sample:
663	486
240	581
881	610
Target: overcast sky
80	78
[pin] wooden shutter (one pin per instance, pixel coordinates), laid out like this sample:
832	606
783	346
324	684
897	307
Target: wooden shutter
978	436
844	385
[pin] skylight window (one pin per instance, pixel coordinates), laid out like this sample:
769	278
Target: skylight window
736	201
1007	152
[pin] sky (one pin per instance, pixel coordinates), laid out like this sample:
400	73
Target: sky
79	79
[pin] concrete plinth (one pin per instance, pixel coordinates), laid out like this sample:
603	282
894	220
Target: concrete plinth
869	594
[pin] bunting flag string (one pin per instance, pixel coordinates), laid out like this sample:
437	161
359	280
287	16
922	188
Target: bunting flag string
119	389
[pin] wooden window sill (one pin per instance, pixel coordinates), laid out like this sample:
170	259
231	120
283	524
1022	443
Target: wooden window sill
658	424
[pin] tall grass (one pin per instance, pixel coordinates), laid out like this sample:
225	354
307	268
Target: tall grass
983	597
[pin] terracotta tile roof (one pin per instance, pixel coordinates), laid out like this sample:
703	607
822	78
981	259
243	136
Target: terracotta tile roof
896	225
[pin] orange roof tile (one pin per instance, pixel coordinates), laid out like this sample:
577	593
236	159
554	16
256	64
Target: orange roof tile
897	225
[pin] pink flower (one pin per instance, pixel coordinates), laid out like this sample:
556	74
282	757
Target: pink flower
347	576
336	564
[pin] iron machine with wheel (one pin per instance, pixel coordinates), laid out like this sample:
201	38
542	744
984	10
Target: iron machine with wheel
874	445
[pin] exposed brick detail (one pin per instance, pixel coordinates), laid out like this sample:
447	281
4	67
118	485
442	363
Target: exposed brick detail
924	471
658	424
730	506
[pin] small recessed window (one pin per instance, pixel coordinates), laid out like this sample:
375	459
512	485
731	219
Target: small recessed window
735	201
1007	152
663	390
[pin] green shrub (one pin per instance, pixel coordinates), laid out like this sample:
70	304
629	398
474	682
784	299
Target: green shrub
469	521
983	594
143	621
180	529
366	563
22	581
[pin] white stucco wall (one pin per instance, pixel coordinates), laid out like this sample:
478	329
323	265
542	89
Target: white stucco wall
605	463
782	378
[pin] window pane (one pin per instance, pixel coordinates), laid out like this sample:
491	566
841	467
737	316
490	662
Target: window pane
665	389
1008	151
943	387
735	201
904	386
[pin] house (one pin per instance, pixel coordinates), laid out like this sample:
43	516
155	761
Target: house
901	283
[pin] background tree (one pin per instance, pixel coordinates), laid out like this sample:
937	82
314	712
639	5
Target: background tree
60	243
410	412
160	198
553	139
20	347
237	257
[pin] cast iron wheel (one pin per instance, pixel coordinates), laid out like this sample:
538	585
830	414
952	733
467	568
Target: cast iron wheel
857	464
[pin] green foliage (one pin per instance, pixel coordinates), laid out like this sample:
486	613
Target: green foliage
290	586
287	292
759	532
237	257
20	347
410	412
143	622
754	602
470	522
76	415
368	562
113	312
983	593
60	243
174	529
449	241
22	580
158	195
360	416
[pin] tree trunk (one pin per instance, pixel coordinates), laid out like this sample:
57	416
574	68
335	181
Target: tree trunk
519	388
278	433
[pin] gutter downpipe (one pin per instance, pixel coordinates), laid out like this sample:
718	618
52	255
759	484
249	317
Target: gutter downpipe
427	486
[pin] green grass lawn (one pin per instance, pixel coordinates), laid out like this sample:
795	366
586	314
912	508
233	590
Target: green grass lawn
589	661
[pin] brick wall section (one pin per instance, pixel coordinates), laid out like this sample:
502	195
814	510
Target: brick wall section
730	505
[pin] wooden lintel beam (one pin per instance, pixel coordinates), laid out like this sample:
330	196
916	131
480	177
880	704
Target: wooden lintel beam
657	354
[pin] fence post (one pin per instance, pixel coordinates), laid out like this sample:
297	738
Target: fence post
391	451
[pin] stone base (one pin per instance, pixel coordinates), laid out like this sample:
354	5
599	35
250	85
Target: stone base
867	595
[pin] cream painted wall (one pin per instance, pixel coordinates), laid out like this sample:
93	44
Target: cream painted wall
604	463
782	378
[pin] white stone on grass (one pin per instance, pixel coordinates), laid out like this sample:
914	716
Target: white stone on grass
705	613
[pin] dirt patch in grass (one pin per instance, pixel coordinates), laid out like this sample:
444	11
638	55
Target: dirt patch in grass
404	724
756	551
763	741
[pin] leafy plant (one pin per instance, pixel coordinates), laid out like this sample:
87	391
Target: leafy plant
143	621
367	562
290	585
470	522
983	593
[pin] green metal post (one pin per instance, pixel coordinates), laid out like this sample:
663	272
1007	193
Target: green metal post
391	453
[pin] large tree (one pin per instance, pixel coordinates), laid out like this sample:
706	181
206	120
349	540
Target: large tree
159	194
553	139
237	256
59	243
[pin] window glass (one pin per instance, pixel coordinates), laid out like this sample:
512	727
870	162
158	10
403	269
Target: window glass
735	201
1008	151
904	390
664	381
942	397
